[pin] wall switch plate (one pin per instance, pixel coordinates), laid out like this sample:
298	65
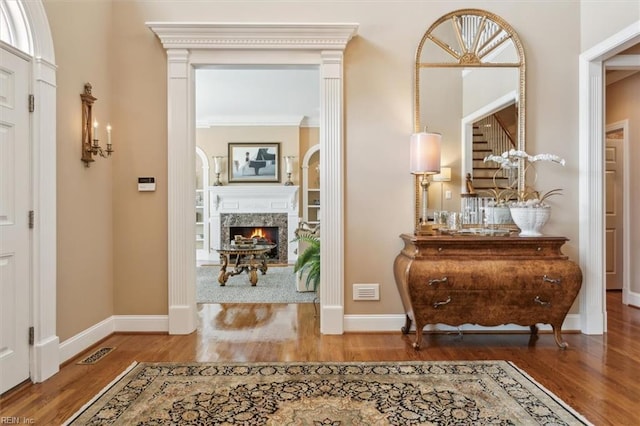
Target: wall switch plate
447	195
146	184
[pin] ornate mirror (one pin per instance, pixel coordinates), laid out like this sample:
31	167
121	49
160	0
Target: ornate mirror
470	87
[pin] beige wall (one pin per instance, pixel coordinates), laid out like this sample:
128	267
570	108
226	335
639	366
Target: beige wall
86	233
112	245
601	19
623	103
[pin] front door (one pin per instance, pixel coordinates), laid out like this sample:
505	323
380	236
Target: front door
14	226
613	209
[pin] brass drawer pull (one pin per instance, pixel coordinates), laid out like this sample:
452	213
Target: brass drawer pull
442	280
551	280
436	304
543	303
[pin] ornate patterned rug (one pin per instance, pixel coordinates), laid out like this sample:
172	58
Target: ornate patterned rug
384	393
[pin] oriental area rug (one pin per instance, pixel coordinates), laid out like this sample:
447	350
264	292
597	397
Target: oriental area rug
380	393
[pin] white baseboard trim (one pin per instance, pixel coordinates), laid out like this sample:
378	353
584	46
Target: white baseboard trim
45	362
634	299
85	339
117	323
383	323
332	319
141	323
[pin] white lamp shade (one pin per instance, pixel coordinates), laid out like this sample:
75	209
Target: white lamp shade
217	164
288	164
443	176
424	153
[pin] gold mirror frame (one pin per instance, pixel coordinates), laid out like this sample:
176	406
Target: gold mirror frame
472	56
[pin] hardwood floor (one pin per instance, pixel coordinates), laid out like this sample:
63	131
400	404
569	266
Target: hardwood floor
599	376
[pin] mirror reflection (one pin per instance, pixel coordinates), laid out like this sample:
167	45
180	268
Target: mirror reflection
470	87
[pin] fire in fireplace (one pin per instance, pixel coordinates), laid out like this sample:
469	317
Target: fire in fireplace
264	235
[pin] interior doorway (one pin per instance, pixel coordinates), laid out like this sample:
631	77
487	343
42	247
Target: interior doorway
616	149
591	185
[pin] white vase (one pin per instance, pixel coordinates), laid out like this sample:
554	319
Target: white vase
497	215
530	220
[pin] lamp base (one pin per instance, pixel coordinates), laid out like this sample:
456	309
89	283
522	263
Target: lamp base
424	228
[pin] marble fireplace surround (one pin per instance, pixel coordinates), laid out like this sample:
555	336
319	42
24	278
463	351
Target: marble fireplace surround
255	205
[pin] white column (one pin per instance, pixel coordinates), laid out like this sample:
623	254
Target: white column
331	188
591	197
181	195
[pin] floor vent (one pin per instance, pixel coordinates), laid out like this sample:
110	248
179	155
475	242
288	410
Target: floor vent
96	356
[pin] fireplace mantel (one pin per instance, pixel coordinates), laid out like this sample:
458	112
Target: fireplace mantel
263	199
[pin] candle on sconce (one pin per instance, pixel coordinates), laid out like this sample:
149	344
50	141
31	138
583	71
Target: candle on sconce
95	129
108	134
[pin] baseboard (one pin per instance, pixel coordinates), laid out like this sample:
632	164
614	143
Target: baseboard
117	323
141	323
633	299
385	323
45	361
85	339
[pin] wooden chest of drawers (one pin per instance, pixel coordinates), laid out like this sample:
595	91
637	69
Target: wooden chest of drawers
485	280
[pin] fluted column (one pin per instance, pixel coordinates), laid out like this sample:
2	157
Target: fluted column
591	199
331	188
181	195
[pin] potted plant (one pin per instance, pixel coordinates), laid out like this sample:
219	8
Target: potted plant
497	212
307	265
530	212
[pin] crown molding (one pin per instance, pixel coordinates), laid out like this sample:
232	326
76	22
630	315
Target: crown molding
257	120
240	35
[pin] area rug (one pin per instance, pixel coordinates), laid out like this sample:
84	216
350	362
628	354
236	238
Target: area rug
381	393
278	285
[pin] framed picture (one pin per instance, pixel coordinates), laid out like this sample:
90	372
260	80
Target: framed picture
254	162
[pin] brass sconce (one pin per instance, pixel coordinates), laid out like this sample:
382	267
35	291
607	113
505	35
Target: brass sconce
90	142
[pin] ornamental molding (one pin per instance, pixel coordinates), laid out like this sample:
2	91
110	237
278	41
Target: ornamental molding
217	35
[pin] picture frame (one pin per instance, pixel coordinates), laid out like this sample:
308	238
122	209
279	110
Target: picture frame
254	162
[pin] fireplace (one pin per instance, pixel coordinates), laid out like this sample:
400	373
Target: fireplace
263	234
255	206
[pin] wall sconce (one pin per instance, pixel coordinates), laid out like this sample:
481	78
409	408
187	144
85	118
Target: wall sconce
217	169
442	177
424	155
288	168
90	142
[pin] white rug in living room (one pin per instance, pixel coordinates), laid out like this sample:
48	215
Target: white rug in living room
278	285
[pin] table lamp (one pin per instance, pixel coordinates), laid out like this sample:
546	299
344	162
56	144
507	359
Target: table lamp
424	157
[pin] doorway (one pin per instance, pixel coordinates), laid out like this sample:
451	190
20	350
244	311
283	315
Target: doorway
27	30
192	45
591	184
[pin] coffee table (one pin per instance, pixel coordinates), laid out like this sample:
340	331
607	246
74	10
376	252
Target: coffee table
247	258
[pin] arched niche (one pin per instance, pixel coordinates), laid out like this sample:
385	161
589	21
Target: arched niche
192	45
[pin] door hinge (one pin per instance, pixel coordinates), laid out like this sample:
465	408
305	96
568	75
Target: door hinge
32	103
31	335
31	215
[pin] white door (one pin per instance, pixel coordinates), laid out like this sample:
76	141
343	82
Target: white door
613	209
14	224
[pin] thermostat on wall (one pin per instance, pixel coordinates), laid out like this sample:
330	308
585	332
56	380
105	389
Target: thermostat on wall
146	184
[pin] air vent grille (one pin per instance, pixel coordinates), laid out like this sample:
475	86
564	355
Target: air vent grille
366	292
